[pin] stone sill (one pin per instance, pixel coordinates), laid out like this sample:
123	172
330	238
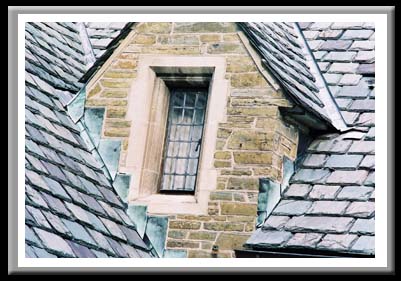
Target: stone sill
171	204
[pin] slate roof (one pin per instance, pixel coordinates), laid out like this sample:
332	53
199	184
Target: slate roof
285	53
71	207
330	202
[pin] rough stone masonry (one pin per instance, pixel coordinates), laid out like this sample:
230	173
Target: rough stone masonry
249	146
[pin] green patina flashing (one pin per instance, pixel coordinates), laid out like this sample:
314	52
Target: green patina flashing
109	150
269	195
138	214
174	254
93	118
270	192
121	185
288	171
156	231
76	106
87	139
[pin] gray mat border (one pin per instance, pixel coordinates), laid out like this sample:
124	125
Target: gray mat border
13	12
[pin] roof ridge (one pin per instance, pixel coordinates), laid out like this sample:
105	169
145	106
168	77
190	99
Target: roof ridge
329	102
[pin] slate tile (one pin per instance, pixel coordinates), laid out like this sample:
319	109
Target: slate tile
353	135
32	237
308	240
366	119
133	237
314	161
73	180
367	105
347	25
114	229
120	251
310	34
131	251
56	204
339	56
364	227
54	171
332	78
356	34
74	194
361	209
56	188
33	147
78	232
365	244
54	242
365	56
343	67
347	177
350	117
275	222
35	179
50	154
292	207
268	238
325	192
337	241
320	26
29	252
324	66
350	79
344	161
310	176
28	218
297	191
330	146
109	210
362	147
358	193
368	162
315	44
369	25
35	196
335	45
90	187
69	162
101	240
111	197
78	212
328	208
370	180
80	250
38	216
125	218
93	204
37	165
319	224
366	69
330	34
304	25
99	254
40	253
55	222
144	254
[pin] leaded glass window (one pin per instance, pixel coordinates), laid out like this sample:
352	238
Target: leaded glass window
185	122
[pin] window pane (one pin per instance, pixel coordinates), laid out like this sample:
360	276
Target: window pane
184	136
190	100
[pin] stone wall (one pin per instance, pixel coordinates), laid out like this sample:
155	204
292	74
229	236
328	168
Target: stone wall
250	144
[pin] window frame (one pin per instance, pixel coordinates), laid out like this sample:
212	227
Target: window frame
155	74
